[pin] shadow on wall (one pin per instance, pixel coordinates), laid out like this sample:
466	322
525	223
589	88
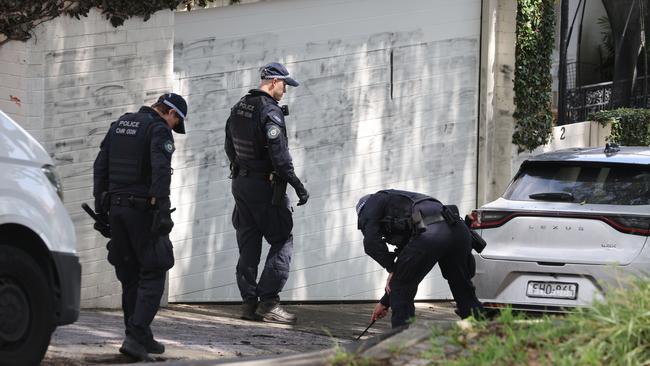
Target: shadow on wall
381	111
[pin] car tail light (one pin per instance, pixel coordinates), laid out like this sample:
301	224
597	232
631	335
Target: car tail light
629	224
489	219
635	225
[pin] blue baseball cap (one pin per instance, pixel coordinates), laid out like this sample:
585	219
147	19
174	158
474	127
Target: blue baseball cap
362	203
177	103
275	70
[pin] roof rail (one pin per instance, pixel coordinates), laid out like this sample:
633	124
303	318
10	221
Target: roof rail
611	148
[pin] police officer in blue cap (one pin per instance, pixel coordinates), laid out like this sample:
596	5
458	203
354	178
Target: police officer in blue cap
257	146
425	232
132	175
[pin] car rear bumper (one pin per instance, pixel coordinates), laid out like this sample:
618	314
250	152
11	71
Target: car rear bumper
69	271
505	282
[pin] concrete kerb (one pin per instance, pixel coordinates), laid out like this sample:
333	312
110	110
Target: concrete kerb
381	347
316	358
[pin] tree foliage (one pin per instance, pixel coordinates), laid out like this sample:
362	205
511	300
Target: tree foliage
535	38
18	18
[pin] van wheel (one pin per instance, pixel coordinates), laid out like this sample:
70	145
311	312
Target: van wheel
26	309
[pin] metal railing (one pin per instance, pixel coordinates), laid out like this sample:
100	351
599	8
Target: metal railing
585	100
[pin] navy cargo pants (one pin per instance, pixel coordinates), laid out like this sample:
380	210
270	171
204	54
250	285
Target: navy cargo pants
141	260
451	247
255	218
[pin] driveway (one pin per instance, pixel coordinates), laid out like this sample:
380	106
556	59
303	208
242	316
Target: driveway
215	332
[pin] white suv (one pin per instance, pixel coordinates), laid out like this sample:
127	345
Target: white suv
40	272
571	223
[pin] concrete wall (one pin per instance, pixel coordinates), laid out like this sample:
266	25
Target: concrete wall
497	155
348	134
74	77
22	85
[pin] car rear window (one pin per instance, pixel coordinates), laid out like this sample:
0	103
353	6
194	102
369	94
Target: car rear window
615	184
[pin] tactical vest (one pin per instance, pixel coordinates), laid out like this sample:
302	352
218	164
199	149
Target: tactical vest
246	129
401	221
129	158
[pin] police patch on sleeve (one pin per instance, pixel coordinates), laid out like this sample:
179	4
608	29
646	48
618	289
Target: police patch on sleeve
273	132
169	146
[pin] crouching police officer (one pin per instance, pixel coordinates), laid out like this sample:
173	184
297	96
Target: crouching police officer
261	166
132	175
425	233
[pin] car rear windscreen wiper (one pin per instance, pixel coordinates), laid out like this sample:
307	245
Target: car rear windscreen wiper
553	196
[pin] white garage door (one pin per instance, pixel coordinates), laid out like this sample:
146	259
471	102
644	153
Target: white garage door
388	99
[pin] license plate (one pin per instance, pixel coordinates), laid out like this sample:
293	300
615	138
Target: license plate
553	290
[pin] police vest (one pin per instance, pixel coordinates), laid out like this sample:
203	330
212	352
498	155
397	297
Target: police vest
401	221
129	160
246	129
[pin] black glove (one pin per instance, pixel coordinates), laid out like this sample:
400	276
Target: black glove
103	205
99	209
102	225
162	223
234	171
302	193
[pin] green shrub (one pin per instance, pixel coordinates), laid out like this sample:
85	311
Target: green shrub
532	84
630	127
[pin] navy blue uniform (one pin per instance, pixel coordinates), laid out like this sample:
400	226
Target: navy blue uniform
417	253
133	165
256	145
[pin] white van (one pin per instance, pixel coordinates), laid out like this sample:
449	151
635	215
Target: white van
40	274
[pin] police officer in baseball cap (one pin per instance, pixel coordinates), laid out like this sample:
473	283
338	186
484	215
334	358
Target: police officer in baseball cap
258	149
425	233
275	70
132	176
179	105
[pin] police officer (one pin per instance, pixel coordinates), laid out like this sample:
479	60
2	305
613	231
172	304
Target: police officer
132	175
261	166
425	233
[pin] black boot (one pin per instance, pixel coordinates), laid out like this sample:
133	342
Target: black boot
155	347
248	310
132	348
486	313
273	312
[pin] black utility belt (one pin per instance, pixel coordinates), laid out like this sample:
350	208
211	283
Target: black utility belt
129	200
253	174
420	222
432	219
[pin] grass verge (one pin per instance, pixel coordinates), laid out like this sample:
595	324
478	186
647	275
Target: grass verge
614	332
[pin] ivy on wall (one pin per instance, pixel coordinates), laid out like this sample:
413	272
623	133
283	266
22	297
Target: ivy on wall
18	18
630	127
534	46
